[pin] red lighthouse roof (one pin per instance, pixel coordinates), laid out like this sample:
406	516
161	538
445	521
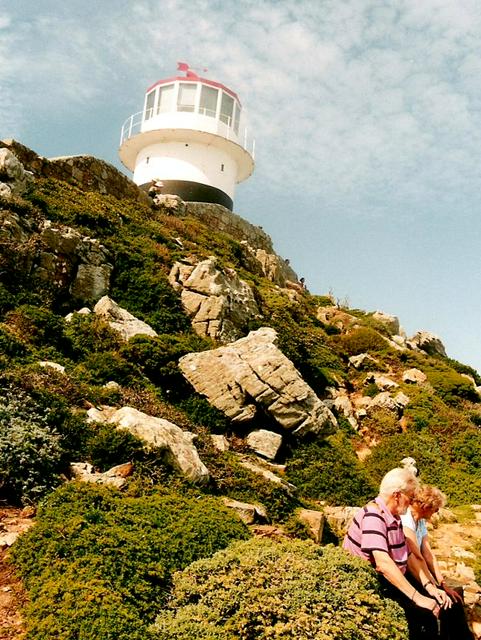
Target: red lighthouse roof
191	76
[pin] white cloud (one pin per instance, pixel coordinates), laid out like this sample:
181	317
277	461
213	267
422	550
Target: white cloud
345	96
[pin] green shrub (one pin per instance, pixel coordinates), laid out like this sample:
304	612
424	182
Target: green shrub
31	456
422	447
102	367
462	486
329	470
100	612
466	448
124	549
452	387
361	340
108	446
262	589
37	325
231	479
89	334
11	345
381	422
464	368
145	291
202	413
157	357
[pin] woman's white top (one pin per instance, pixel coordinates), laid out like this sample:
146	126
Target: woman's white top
419	527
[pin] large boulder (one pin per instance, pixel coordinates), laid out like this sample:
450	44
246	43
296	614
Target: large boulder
252	374
336	317
390	322
114	477
14	180
158	433
264	442
69	259
121	320
219	303
414	376
427	342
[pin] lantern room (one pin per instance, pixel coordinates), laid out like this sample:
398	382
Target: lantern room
191	136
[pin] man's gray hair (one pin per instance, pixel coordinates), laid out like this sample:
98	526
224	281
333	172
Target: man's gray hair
397	480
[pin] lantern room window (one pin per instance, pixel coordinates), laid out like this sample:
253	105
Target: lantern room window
149	105
227	109
208	101
166	99
186	97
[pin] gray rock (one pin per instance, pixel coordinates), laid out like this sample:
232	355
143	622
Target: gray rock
382	382
52	365
248	513
14	180
220	442
253	373
159	433
121	320
218	302
114	477
267	475
414	376
389	321
339	519
362	361
315	522
70	260
266	443
427	342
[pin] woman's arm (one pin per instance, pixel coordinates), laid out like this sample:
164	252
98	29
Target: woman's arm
432	563
420	569
388	568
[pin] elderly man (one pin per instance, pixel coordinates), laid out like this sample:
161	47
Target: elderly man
376	534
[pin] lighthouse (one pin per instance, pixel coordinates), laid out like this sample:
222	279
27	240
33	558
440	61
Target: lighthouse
192	137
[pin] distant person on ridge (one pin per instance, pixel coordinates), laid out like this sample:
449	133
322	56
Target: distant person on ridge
376	535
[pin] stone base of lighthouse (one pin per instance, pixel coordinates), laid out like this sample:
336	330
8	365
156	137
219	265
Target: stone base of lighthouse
195	192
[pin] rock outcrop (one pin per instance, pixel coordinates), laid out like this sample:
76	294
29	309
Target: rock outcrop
427	342
14	180
265	443
414	376
86	172
121	320
253	375
218	302
114	477
69	259
248	513
159	433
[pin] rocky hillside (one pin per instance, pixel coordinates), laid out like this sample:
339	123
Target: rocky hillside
165	351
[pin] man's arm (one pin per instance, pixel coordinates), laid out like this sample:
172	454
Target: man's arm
388	568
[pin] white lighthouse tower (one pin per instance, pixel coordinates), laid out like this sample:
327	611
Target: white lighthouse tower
191	136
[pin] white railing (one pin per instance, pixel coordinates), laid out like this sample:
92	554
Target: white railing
133	126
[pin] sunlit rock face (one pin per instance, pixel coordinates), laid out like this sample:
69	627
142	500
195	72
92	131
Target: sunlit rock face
252	374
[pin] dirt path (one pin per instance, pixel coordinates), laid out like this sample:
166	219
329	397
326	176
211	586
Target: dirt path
12	595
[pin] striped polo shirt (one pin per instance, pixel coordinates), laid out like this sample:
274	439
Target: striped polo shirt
374	528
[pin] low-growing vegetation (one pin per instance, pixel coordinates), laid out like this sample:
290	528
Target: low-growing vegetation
112	555
260	589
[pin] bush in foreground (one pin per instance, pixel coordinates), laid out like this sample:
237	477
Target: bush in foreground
262	589
31	455
97	564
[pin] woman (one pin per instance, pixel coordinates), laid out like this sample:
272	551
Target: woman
376	535
426	502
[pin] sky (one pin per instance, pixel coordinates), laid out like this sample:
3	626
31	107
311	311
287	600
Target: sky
366	115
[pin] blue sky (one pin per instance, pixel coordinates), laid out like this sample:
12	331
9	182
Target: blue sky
366	114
